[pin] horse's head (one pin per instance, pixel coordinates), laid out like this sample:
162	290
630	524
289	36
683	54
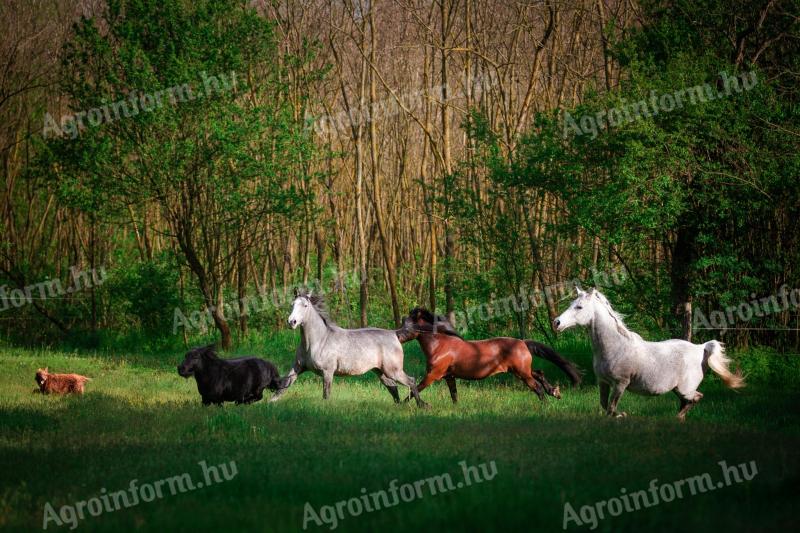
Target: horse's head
419	316
579	312
195	360
408	330
421	320
305	306
301	307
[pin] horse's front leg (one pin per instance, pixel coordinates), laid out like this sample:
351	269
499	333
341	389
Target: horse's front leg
433	375
616	394
604	390
327	381
287	382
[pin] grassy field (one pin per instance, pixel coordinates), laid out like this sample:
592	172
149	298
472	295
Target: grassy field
140	421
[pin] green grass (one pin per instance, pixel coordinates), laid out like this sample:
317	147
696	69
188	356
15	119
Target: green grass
140	420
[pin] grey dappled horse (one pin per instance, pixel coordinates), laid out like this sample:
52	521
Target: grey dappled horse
328	350
623	360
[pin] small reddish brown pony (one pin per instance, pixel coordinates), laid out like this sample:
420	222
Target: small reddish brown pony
449	356
60	383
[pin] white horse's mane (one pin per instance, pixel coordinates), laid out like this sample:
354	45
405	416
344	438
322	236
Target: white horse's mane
618	317
317	301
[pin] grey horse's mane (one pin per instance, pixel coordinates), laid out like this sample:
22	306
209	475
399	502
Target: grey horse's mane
618	318
317	301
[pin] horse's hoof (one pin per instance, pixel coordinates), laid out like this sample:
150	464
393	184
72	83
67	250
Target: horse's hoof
623	414
424	405
557	393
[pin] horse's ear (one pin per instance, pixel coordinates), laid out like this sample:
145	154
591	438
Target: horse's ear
578	290
592	291
296	292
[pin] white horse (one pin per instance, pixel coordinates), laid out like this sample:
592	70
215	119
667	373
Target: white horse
623	360
328	350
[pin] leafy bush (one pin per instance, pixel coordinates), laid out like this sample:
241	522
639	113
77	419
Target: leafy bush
146	294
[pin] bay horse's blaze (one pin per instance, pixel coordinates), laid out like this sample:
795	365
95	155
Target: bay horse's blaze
449	356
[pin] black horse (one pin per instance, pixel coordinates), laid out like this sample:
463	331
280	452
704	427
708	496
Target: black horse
240	380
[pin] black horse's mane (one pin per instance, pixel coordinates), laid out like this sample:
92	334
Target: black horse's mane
434	323
318	302
208	351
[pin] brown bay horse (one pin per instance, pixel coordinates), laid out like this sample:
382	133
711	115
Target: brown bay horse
449	356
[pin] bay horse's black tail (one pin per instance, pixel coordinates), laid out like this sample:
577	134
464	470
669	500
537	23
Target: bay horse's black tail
537	348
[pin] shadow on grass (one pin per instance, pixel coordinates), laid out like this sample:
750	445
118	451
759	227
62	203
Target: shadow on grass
292	453
303	449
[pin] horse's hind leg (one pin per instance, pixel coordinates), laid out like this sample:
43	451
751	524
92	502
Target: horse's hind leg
533	385
524	374
686	404
451	384
255	397
408	381
555	392
390	384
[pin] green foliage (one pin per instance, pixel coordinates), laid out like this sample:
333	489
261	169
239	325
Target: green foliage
709	185
147	292
767	365
212	63
195	118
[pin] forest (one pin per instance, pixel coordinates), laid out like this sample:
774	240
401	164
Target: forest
203	159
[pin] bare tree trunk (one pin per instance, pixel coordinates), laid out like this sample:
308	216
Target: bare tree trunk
359	200
241	291
377	200
226	341
92	265
449	243
601	11
682	258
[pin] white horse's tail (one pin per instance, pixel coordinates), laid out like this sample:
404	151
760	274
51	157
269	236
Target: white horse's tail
714	356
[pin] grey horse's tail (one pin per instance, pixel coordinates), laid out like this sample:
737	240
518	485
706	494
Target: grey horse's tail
714	356
404	335
537	348
281	383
